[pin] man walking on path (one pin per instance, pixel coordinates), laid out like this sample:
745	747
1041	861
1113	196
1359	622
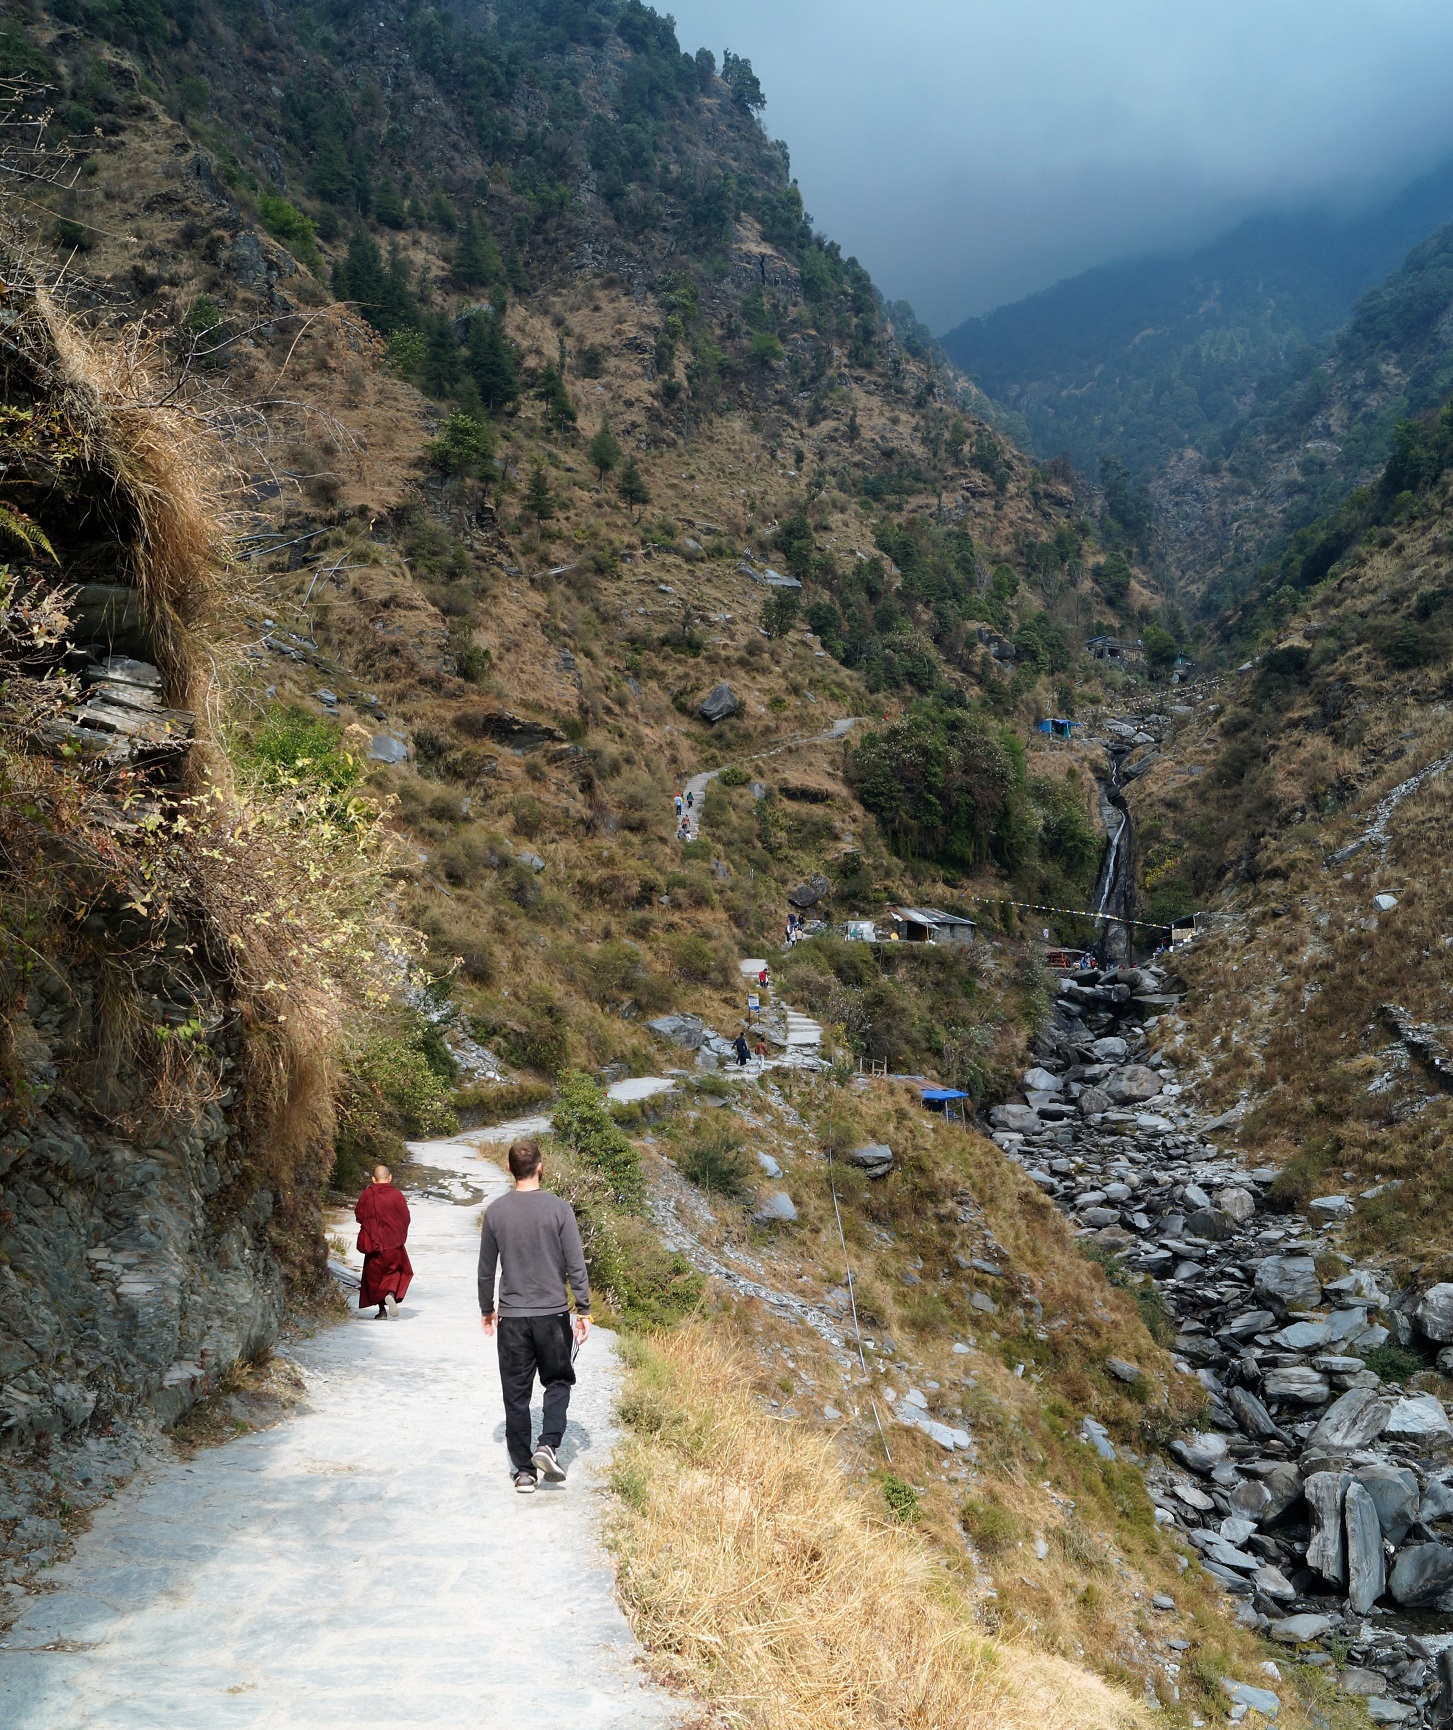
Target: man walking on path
533	1239
383	1228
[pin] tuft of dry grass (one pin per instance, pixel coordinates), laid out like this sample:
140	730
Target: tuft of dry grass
781	1598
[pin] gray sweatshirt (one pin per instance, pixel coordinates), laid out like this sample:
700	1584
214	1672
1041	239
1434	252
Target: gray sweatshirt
533	1237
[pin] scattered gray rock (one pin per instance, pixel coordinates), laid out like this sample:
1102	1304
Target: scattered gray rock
769	1165
1133	1084
1122	1371
776	1209
387	748
873	1157
1093	1432
1296	1385
1254	1699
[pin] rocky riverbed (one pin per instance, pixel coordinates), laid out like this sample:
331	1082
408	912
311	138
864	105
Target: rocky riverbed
1320	1491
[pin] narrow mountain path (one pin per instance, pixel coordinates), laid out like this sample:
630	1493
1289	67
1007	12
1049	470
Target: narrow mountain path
366	1561
697	785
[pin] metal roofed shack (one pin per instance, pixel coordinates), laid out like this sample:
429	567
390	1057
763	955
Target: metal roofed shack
930	925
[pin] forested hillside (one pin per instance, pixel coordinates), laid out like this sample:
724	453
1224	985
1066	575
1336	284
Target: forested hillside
1248	385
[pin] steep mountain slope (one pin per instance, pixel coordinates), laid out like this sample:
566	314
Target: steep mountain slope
1325	427
1138	360
507	514
1311	810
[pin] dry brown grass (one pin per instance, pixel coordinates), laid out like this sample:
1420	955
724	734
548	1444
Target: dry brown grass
767	1587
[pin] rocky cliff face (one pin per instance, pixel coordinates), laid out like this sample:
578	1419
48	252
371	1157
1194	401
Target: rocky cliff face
130	1276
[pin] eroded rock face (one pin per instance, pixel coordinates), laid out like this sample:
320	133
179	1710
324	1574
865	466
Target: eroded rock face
135	1271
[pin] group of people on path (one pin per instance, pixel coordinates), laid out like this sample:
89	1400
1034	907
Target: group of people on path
685	803
530	1243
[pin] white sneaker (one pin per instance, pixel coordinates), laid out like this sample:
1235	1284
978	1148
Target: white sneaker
391	1304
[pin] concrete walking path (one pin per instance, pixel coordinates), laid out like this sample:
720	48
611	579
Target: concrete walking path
366	1561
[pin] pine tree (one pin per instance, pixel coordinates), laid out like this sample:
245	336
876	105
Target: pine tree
604	451
381	293
632	488
476	257
388	203
552	392
489	358
539	500
441	369
515	270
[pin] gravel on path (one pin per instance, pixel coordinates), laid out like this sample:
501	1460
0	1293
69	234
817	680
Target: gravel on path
367	1561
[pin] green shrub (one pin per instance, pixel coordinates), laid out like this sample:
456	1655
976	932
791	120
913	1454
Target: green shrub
734	776
292	746
1393	1363
900	1498
478	1106
993	1528
392	1089
285	222
717	1164
584	1123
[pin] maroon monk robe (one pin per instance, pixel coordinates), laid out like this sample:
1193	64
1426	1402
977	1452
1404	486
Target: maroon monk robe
383	1219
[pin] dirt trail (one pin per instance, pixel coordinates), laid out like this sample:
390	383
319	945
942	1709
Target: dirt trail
697	785
367	1561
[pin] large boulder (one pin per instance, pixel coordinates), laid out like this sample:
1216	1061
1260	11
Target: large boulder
1327	1551
1296	1385
1021	1118
1394	1493
1419	1418
1353	1421
1434	1314
776	1209
1133	1084
1092	1100
873	1157
808	894
683	1030
1366	1579
1288	1282
1210	1223
1202	1452
1239	1203
1253	1416
719	704
1422	1574
1039	1080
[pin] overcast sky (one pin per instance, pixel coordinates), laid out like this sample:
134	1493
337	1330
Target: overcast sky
970	151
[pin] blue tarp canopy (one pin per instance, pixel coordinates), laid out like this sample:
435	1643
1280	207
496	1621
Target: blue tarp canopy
941	1093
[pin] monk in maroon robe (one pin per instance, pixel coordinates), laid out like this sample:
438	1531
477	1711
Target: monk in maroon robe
383	1228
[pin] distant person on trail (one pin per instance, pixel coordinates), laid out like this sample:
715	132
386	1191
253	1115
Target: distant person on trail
678	807
383	1228
762	979
740	1047
690	799
532	1238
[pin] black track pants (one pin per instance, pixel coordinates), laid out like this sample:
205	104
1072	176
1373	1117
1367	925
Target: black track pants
530	1346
